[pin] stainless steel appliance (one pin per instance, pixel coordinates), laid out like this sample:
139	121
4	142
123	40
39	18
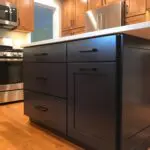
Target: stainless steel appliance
8	15
11	85
105	17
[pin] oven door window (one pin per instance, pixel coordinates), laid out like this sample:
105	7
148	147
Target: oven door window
4	13
11	72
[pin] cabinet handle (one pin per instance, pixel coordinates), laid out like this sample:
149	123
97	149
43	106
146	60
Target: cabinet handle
41	54
18	21
71	23
89	51
41	108
89	69
41	78
127	9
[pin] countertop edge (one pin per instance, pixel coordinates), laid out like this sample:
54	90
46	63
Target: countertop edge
128	29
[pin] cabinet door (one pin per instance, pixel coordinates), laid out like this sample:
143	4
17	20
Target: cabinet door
148	4
92	104
136	19
78	31
110	1
73	31
81	8
93	4
135	7
12	1
26	15
68	14
67	33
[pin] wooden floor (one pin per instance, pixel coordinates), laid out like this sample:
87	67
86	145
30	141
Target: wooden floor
17	133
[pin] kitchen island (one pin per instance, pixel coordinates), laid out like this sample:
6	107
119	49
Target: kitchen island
92	88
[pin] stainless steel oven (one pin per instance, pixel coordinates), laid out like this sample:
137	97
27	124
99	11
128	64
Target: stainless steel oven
11	83
8	15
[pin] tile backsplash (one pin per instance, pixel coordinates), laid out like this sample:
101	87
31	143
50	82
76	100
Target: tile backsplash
18	38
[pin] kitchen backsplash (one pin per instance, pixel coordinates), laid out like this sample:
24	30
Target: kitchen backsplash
18	38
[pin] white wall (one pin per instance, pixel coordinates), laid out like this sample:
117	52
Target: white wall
57	15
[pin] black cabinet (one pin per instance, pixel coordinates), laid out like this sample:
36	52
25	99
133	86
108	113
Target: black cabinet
47	110
92	104
49	78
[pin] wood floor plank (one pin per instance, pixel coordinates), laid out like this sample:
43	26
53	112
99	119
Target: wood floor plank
17	133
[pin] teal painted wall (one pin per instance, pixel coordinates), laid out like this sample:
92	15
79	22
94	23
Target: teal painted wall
43	23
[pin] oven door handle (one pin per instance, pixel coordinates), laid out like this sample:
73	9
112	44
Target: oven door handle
10	60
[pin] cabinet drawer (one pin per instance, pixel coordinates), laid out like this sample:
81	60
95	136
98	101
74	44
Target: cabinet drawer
46	53
95	49
136	19
49	78
50	111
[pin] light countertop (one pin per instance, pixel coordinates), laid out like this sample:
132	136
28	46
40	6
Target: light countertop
140	30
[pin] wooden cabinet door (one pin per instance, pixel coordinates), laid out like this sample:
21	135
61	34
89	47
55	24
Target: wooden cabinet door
135	7
136	19
148	4
93	4
81	8
78	31
92	104
68	14
67	33
109	1
73	31
12	1
26	15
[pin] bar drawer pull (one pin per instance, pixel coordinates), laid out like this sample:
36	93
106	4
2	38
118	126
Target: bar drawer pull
41	54
41	78
88	69
89	51
41	108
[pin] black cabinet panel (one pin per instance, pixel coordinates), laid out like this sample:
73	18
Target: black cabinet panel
48	110
46	53
140	141
49	78
92	104
95	49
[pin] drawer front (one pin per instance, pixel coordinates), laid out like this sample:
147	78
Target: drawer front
47	78
48	110
136	19
46	53
95	49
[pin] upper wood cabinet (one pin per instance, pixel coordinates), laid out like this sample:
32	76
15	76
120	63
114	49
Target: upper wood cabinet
81	8
25	14
73	12
148	4
93	4
135	7
68	14
109	1
73	31
12	1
